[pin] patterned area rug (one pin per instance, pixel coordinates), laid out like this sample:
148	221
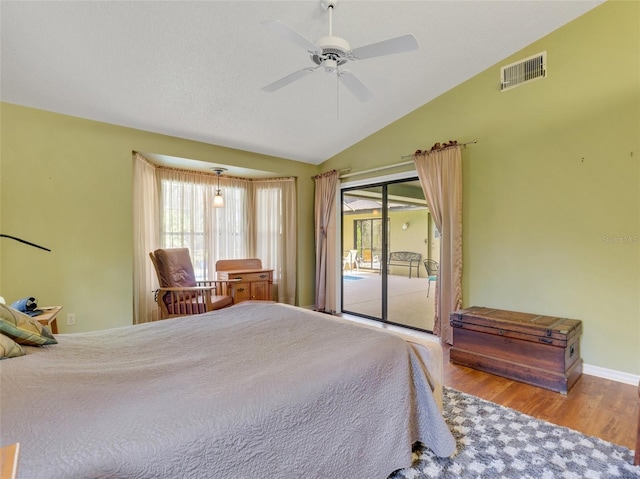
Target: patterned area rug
496	442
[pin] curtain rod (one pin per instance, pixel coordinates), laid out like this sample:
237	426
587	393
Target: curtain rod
395	165
344	170
459	144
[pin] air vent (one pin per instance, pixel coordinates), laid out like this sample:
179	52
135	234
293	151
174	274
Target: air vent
523	71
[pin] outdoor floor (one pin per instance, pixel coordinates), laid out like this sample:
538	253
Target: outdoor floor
408	303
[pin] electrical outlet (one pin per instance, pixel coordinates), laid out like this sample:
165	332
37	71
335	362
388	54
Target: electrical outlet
71	319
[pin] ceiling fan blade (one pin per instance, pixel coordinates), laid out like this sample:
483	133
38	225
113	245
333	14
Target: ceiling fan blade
405	43
276	85
355	86
281	29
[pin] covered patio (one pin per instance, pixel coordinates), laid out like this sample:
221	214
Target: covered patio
408	303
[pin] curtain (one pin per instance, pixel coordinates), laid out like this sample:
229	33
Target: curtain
145	240
275	238
189	220
440	173
324	218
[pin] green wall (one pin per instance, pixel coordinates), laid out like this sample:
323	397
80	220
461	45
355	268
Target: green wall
551	191
66	183
551	219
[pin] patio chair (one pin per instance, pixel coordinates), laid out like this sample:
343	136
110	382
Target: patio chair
432	272
350	260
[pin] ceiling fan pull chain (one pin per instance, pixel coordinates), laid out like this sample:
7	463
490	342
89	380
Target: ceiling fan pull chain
337	94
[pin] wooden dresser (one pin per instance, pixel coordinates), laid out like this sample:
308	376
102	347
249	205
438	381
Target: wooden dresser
256	282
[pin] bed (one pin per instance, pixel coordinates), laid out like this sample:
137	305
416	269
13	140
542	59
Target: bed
253	391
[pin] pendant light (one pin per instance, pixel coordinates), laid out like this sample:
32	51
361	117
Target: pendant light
218	201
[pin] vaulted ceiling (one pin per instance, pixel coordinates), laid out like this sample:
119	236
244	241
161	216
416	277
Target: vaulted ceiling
195	69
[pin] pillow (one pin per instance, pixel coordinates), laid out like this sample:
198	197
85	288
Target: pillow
9	348
23	329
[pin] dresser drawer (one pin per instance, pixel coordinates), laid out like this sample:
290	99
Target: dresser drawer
251	277
243	292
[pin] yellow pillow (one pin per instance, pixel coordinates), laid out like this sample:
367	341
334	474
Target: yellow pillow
23	329
9	348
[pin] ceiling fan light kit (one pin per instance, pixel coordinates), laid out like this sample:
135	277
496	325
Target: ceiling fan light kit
331	52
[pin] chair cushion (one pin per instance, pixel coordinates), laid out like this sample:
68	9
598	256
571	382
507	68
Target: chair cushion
175	267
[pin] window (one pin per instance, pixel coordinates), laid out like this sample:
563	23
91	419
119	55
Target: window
368	241
174	209
257	221
188	220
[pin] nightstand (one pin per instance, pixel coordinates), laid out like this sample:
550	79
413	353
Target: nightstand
48	317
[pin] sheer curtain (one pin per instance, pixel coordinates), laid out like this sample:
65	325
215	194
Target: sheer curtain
145	239
258	220
325	221
275	232
440	173
189	220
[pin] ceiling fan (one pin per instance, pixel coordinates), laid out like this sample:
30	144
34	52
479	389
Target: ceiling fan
331	53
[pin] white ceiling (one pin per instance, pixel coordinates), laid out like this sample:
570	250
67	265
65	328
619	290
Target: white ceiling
195	69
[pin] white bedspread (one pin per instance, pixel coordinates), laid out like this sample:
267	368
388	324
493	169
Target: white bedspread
252	391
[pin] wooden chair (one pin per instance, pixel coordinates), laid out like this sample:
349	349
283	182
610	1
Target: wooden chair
179	293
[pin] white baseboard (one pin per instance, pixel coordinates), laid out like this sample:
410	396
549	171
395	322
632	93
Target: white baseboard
611	374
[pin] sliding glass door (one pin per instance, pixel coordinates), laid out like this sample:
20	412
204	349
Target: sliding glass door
387	234
362	247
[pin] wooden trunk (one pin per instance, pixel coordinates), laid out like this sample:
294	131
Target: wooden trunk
539	350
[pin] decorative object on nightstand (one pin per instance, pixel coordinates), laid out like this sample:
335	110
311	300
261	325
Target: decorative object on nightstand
255	282
47	317
28	305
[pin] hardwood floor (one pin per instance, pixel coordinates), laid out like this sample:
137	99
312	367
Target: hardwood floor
594	406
